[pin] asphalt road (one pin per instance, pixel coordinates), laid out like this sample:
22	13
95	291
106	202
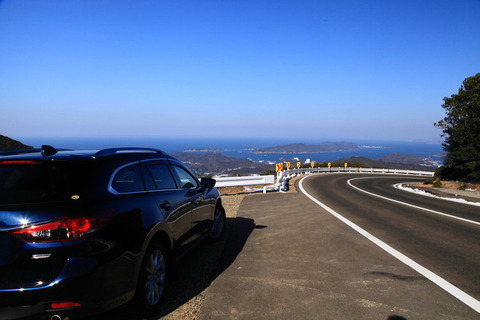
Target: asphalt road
289	258
447	246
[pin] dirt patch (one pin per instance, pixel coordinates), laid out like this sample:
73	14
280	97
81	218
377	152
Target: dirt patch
227	191
455	185
231	203
453	189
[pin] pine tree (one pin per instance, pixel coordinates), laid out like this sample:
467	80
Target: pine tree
461	130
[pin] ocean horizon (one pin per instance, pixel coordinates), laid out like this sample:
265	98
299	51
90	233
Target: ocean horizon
241	147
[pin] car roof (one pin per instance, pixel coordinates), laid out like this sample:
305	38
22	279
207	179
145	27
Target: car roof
47	152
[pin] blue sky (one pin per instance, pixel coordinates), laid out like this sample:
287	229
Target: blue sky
233	68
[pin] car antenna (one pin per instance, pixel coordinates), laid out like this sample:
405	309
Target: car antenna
48	150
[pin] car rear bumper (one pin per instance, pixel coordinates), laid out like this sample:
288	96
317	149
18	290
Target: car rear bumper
37	304
23	312
91	290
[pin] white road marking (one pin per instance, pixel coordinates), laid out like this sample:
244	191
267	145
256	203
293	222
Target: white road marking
410	205
442	283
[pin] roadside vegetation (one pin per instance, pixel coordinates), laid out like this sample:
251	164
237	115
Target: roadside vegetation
461	130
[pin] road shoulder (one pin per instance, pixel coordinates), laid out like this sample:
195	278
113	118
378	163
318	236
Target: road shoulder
295	260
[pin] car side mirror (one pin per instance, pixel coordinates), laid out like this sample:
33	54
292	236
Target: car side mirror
207	183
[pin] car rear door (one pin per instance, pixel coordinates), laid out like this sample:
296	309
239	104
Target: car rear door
171	201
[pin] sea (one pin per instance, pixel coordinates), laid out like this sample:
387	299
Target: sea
243	147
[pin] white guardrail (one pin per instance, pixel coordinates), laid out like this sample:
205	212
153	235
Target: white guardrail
282	177
361	170
245	181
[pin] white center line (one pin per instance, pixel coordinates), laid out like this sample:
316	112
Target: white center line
442	283
410	205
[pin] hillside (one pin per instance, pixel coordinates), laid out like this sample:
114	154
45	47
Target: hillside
215	164
370	163
309	148
409	159
7	143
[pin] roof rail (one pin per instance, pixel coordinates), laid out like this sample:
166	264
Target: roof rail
112	151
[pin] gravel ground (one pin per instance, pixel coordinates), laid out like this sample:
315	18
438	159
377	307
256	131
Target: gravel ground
458	193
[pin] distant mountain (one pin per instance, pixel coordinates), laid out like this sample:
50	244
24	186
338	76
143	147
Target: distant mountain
214	163
7	143
309	148
370	163
409	159
203	150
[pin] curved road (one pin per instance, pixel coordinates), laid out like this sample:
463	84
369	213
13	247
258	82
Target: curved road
434	238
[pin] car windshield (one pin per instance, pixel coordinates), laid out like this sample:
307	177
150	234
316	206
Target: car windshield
37	181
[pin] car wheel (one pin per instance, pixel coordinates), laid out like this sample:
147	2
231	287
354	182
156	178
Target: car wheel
219	222
153	275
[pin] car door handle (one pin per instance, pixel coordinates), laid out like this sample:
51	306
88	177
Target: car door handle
197	200
165	205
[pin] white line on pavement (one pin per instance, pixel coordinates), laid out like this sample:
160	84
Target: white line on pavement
410	205
442	283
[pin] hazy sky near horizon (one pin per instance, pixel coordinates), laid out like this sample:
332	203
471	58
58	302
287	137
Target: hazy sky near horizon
233	68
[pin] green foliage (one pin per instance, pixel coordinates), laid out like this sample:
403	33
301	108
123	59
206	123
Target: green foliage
434	181
437	183
269	172
429	180
461	130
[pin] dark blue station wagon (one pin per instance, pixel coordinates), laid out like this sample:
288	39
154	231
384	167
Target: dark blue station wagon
82	232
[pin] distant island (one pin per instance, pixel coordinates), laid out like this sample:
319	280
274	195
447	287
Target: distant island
309	148
373	147
203	150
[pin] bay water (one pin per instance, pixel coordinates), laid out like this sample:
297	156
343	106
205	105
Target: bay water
242	147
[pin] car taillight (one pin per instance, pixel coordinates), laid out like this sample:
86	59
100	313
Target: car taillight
18	162
62	305
65	228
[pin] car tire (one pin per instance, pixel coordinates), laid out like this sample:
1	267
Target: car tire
219	224
152	278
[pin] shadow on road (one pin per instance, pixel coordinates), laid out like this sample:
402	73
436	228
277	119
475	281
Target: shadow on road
196	271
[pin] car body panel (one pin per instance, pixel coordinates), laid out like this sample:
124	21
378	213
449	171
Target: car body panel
97	270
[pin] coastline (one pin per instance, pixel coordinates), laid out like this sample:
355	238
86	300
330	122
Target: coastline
244	148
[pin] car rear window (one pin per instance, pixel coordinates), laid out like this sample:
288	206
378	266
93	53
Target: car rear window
38	181
128	179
